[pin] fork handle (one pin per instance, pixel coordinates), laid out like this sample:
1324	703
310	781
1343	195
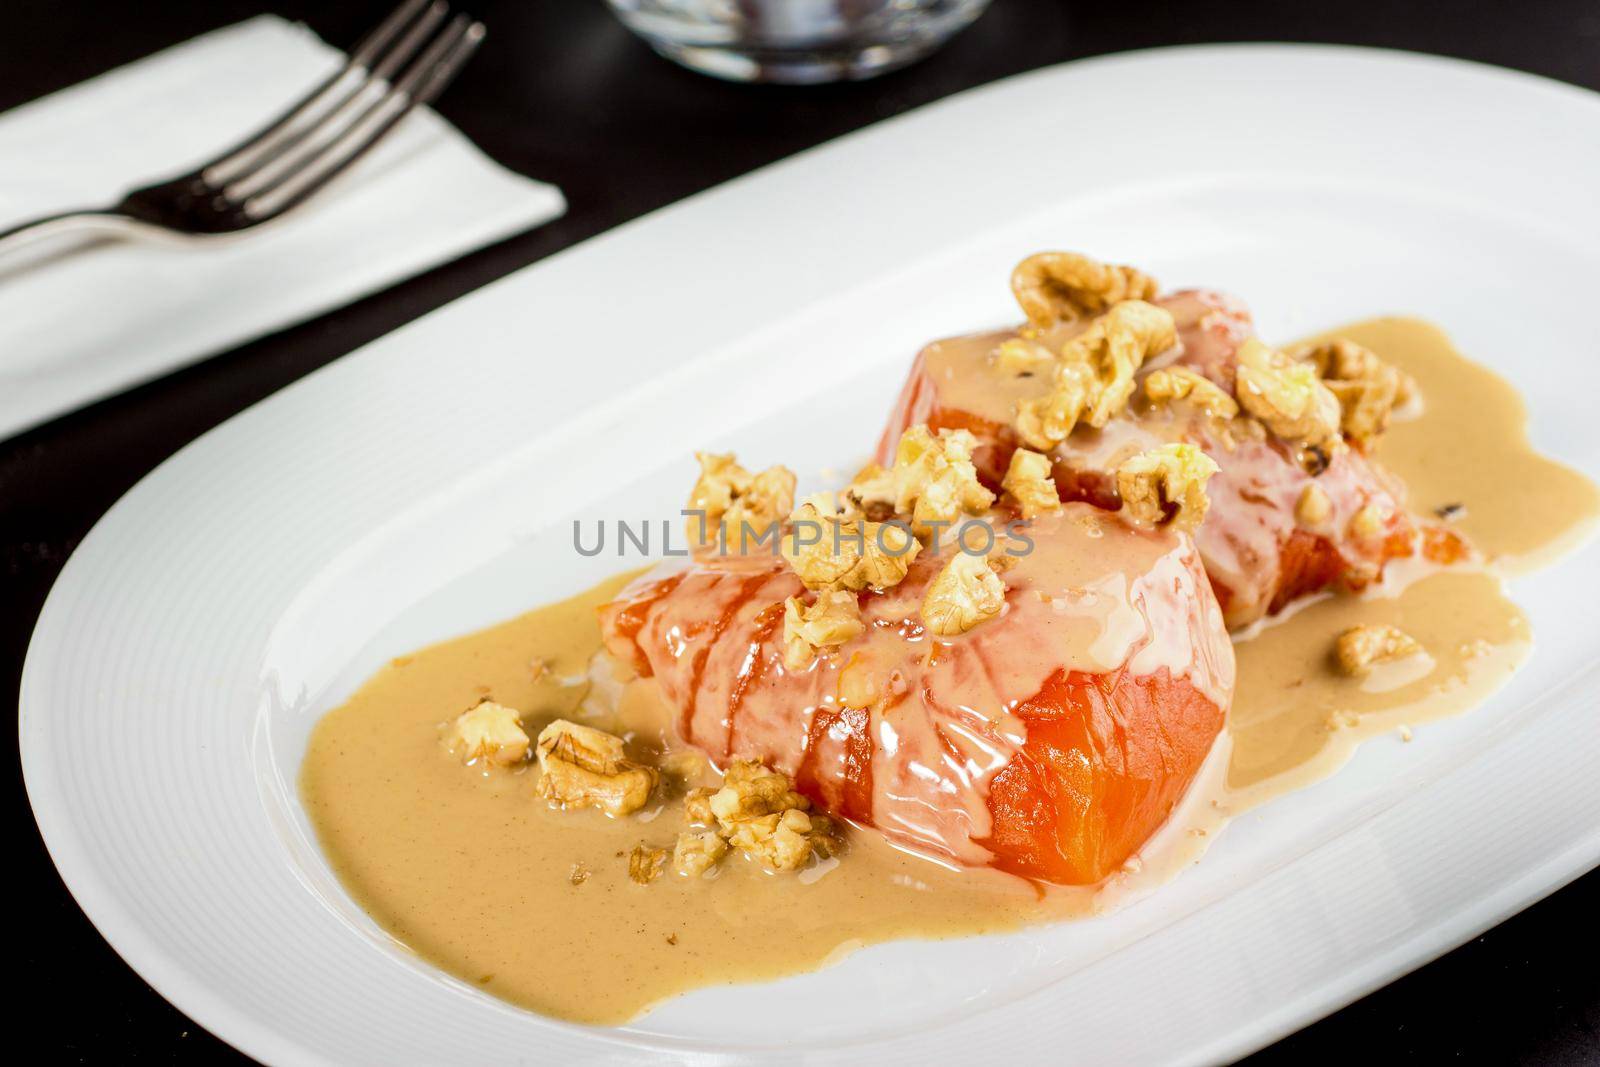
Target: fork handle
26	233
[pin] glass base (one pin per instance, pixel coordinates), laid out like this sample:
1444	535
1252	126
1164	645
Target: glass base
804	51
788	67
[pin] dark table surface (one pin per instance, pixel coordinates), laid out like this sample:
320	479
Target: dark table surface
562	93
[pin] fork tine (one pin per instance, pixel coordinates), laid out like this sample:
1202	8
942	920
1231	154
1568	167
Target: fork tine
385	70
291	151
241	156
423	81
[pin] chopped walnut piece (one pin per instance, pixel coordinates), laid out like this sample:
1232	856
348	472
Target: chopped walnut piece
1028	480
783	842
829	552
1094	375
932	481
769	498
758	812
490	732
888	549
825	504
1313	508
721	481
1289	398
1051	286
964	594
751	789
936	477
1023	355
584	767
697	851
1180	383
697	807
1367	388
731	498
871	493
1166	485
833	619
645	863
817	548
1359	647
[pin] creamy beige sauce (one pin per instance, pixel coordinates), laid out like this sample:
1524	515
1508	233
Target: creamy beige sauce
1295	718
1468	446
473	873
469	870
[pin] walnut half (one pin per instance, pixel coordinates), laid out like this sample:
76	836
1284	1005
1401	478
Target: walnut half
1052	286
584	767
1367	388
1094	375
1166	486
1290	400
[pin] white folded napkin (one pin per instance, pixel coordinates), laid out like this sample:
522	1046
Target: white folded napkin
78	327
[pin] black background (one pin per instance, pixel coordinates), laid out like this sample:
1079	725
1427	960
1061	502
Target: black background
561	92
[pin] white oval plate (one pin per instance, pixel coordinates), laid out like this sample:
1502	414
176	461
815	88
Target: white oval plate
426	485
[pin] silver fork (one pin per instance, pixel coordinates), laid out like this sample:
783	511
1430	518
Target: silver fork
403	63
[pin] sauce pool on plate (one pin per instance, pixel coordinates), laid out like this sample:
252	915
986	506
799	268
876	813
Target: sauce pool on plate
467	868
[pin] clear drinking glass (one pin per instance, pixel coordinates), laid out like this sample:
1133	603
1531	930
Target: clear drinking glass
796	41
